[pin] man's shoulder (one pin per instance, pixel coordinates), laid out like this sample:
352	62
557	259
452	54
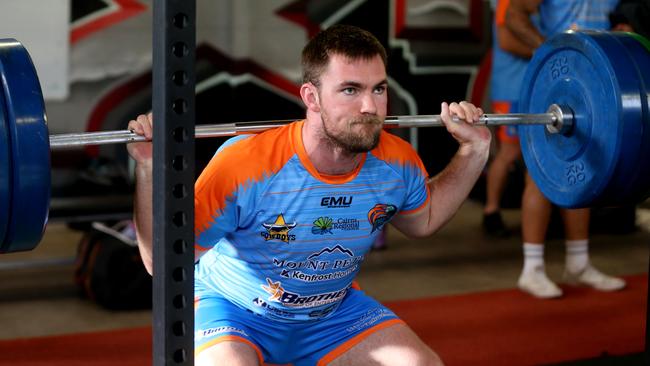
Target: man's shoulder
268	144
395	149
250	157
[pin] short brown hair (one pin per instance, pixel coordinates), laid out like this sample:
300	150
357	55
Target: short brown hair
346	40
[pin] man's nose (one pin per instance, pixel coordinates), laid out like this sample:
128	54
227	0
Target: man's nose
368	104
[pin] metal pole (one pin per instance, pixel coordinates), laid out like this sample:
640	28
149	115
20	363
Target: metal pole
174	43
71	140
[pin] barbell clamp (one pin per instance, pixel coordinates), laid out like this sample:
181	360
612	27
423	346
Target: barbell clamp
563	121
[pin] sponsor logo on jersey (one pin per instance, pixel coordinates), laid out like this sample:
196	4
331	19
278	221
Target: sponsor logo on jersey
370	318
336	201
275	289
279	230
326	259
380	214
322	312
316	277
319	261
211	332
336	249
295	300
324	225
273	310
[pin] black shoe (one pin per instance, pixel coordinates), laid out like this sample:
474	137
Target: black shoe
494	226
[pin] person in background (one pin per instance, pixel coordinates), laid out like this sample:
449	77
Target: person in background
556	16
632	16
508	69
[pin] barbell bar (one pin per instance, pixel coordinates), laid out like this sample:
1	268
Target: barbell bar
583	122
73	140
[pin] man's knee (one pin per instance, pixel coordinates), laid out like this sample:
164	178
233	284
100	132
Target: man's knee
419	357
395	346
393	356
227	353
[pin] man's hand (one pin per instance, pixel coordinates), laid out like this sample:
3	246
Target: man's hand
141	152
472	139
449	189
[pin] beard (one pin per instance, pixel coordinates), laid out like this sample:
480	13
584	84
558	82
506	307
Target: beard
355	142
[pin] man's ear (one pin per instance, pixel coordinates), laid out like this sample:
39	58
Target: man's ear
309	95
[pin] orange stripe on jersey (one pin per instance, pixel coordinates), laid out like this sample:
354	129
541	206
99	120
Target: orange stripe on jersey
239	165
393	149
500	13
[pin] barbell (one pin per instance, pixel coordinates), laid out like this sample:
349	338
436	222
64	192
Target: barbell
584	128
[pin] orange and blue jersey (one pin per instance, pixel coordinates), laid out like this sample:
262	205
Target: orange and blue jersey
507	74
276	237
507	69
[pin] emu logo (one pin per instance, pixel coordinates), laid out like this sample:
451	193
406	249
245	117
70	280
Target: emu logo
335	202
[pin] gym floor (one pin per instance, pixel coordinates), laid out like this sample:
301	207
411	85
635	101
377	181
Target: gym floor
39	297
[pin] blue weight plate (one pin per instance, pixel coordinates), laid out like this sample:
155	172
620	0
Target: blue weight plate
30	147
633	179
579	169
5	174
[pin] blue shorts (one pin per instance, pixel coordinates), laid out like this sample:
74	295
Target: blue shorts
300	343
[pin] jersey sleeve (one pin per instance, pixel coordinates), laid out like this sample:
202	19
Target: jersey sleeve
228	189
401	156
215	200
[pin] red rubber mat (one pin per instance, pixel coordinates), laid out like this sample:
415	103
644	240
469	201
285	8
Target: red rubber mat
487	328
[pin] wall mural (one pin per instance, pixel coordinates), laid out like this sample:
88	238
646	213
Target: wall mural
436	50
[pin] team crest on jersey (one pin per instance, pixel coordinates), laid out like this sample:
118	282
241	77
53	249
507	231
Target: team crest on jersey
379	215
279	230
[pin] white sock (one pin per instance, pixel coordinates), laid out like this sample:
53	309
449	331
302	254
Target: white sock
533	257
577	255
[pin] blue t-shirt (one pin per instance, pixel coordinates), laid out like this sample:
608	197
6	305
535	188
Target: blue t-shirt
507	69
278	238
560	15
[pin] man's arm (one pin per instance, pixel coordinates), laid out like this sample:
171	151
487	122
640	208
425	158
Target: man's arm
143	202
509	42
449	189
518	21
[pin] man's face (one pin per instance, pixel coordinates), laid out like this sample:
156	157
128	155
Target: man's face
353	98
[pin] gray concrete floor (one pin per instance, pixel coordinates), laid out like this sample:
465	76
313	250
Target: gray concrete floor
38	296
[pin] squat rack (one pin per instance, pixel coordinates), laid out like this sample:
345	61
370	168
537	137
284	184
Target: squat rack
174	44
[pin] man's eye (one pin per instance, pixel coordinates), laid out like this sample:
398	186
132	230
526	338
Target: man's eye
349	91
380	90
